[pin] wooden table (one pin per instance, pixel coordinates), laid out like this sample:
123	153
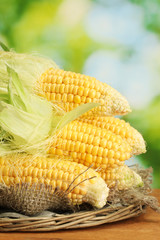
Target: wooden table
144	227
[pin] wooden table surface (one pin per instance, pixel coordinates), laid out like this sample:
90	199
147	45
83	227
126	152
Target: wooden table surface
144	227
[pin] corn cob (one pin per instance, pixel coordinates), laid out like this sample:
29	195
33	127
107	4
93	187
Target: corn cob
57	173
69	90
123	177
90	145
119	127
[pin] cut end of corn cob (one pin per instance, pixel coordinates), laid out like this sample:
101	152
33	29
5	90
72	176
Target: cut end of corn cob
79	182
69	89
123	177
98	189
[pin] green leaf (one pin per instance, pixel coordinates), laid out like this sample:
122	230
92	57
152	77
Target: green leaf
4	47
4	97
25	119
74	114
24	127
20	90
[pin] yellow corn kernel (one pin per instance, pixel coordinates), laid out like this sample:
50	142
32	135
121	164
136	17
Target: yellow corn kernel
77	99
89	149
70	98
5	171
74	156
80	91
89	158
35	180
82	148
6	180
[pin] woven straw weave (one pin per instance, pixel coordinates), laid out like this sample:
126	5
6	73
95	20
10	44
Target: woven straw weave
48	221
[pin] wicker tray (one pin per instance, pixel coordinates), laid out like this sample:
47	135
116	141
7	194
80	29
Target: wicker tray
49	221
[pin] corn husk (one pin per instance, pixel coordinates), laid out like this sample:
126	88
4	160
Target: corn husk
29	67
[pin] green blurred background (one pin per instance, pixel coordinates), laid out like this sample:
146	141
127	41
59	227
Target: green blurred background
117	41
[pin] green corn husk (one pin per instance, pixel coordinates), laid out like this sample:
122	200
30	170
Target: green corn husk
28	123
29	67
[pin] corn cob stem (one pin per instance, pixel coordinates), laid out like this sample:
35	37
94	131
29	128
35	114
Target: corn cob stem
87	187
69	89
119	127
